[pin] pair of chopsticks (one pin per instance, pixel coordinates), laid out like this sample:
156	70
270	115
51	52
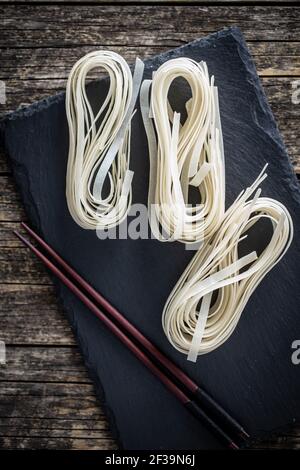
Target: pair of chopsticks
192	397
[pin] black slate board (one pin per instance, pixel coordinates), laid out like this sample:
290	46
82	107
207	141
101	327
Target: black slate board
252	374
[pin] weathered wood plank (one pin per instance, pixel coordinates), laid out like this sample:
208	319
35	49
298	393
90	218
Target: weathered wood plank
50	443
49	400
18	266
61	422
7	237
71	443
118	2
43	364
127	25
30	314
4	163
95	429
290	440
53	427
71	426
10	201
271	58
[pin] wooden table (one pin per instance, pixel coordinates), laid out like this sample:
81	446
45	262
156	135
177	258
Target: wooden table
46	398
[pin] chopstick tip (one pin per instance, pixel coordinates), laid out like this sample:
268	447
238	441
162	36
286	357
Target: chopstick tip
244	434
24	225
233	446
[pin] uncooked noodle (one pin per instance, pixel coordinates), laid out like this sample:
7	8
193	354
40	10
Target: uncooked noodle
98	181
184	155
217	268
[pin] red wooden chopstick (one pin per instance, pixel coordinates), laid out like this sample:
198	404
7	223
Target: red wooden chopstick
178	373
198	393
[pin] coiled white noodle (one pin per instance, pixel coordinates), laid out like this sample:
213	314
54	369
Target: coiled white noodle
217	268
99	145
184	155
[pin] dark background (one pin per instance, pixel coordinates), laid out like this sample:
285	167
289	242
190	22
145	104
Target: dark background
46	397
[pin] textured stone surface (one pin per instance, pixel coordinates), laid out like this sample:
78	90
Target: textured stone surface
252	374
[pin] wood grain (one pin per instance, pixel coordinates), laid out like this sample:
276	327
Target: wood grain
29	315
46	397
271	59
44	364
154	2
71	25
46	38
57	443
61	422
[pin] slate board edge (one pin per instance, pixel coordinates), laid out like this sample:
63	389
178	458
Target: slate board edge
31	209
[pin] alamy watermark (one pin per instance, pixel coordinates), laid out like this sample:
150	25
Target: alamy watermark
2	92
296	354
144	223
296	92
2	353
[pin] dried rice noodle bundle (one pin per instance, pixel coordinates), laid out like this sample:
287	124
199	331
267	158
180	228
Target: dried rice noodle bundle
99	145
184	155
217	268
